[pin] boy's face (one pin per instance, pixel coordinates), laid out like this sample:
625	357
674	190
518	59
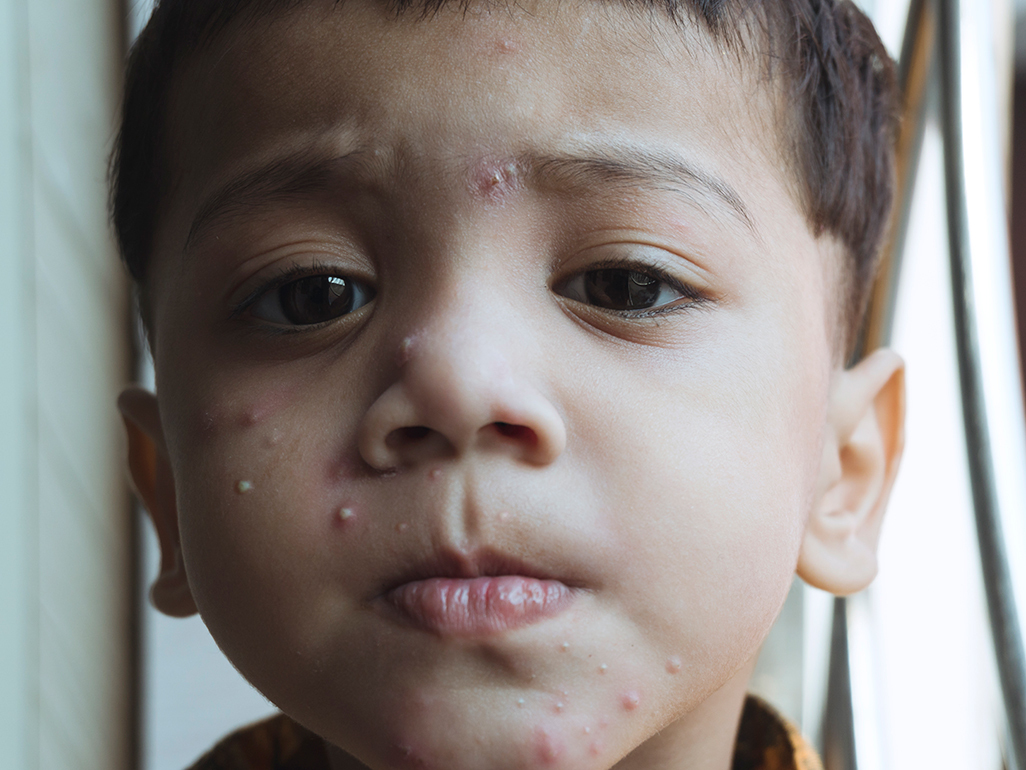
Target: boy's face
521	294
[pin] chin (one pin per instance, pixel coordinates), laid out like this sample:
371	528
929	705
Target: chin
434	734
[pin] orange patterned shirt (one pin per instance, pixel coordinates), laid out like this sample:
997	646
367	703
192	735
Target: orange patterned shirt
766	741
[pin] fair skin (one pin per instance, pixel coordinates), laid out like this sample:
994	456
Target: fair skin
482	409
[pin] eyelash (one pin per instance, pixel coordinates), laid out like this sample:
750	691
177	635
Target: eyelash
696	298
687	291
285	276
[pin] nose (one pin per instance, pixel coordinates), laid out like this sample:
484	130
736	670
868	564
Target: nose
458	392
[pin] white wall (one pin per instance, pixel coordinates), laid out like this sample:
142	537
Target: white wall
18	573
65	557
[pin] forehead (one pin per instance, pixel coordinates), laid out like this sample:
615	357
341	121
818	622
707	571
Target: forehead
466	82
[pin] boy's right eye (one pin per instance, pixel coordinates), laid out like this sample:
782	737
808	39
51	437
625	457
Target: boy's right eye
311	300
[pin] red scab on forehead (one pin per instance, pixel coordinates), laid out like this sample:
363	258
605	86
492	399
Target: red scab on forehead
494	180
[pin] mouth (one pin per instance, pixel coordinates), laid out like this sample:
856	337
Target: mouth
479	596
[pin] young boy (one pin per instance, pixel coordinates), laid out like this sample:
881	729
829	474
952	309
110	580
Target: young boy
500	363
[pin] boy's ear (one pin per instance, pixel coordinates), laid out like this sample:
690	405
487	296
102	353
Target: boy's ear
154	484
865	438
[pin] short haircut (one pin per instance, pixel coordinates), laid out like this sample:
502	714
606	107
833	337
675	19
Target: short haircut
837	137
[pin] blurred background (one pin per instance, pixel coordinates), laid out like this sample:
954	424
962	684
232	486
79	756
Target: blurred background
91	677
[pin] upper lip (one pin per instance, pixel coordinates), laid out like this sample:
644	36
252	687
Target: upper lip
482	562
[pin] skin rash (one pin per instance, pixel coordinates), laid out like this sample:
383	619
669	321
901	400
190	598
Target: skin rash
477	413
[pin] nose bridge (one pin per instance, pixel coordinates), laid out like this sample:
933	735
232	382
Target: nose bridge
462	385
457	366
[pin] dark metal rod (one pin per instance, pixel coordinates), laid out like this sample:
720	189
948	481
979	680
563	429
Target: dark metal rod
914	71
1001	604
838	731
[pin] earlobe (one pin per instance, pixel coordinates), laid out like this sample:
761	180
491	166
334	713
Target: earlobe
865	438
154	484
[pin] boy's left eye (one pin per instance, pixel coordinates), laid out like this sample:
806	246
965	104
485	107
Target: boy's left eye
311	300
625	290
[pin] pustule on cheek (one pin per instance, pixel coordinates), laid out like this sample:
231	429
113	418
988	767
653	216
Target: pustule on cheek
348	521
261	409
630	700
567	737
345	519
234	413
261	453
548	745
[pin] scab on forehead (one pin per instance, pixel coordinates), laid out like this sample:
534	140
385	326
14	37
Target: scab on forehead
495	180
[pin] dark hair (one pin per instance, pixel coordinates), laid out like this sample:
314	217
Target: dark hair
838	81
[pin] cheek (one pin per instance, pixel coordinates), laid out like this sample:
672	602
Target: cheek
232	413
718	509
262	503
720	561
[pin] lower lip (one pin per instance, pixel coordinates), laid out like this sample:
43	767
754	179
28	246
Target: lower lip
479	606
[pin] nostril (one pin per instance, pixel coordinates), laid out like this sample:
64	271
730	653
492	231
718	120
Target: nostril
515	432
411	434
416	443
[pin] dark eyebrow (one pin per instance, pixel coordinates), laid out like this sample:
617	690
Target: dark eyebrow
283	179
309	172
635	167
